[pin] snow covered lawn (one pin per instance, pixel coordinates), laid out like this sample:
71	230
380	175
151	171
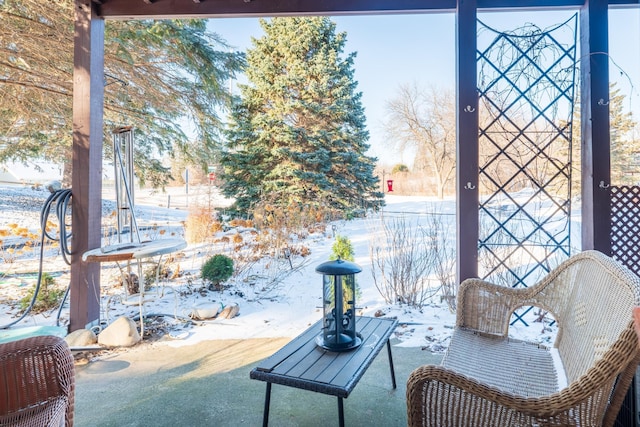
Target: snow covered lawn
277	298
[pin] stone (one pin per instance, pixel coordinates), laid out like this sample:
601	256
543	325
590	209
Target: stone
81	338
53	186
229	312
205	310
121	333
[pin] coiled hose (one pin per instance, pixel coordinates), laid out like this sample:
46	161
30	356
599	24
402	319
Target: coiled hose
62	201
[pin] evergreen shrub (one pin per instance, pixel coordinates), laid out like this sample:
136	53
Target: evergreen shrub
48	296
342	248
216	270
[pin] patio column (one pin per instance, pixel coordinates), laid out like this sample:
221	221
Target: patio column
86	184
596	163
467	210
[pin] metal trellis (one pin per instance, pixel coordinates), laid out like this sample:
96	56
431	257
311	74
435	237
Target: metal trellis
526	86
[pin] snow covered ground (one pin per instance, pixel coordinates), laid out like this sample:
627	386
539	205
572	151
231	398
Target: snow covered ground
278	299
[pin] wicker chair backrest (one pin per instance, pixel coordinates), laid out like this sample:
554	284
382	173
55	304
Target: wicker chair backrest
591	297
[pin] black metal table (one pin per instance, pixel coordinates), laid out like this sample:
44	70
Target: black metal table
302	364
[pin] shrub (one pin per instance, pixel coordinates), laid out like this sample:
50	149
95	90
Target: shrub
401	257
216	270
11	249
200	224
48	296
155	272
399	168
342	248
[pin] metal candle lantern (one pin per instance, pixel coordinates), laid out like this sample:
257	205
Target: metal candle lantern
339	306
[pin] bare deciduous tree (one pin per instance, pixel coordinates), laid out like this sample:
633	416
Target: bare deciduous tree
424	120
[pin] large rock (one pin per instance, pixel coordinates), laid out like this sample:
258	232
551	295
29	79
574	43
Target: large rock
205	310
81	338
229	312
121	333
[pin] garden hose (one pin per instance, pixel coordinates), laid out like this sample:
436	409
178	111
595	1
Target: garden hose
62	200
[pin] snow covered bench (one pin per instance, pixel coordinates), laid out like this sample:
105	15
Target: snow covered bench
487	379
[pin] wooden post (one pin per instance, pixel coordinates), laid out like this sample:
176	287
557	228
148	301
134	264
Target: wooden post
596	163
467	207
86	184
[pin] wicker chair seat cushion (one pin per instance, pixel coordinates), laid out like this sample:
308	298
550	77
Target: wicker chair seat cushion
49	414
517	367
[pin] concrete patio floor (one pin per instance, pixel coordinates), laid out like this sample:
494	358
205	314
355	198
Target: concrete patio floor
207	384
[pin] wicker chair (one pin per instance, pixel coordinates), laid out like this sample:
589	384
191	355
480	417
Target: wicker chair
487	379
37	380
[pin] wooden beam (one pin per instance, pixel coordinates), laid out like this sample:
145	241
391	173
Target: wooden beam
467	214
528	4
596	163
136	9
128	9
86	183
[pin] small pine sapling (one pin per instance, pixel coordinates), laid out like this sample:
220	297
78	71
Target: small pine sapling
343	249
216	270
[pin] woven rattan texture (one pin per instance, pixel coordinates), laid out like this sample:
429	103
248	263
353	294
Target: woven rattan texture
513	366
37	380
591	296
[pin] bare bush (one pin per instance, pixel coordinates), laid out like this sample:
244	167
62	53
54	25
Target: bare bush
401	257
439	233
407	258
201	224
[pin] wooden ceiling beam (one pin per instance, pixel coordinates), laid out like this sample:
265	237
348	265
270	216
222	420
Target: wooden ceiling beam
127	9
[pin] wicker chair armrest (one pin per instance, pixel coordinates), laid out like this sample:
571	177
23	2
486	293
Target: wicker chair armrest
36	372
437	396
486	307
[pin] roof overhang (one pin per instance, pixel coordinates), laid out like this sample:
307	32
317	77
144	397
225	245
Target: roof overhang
139	9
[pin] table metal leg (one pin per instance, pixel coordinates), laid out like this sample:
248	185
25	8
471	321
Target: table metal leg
393	373
267	400
341	412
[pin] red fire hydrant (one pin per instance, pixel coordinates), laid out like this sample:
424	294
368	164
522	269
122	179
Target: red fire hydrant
389	185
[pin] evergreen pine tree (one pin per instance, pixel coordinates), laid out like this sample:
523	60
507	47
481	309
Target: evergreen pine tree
624	148
158	75
297	132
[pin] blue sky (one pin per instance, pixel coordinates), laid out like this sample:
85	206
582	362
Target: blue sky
400	49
